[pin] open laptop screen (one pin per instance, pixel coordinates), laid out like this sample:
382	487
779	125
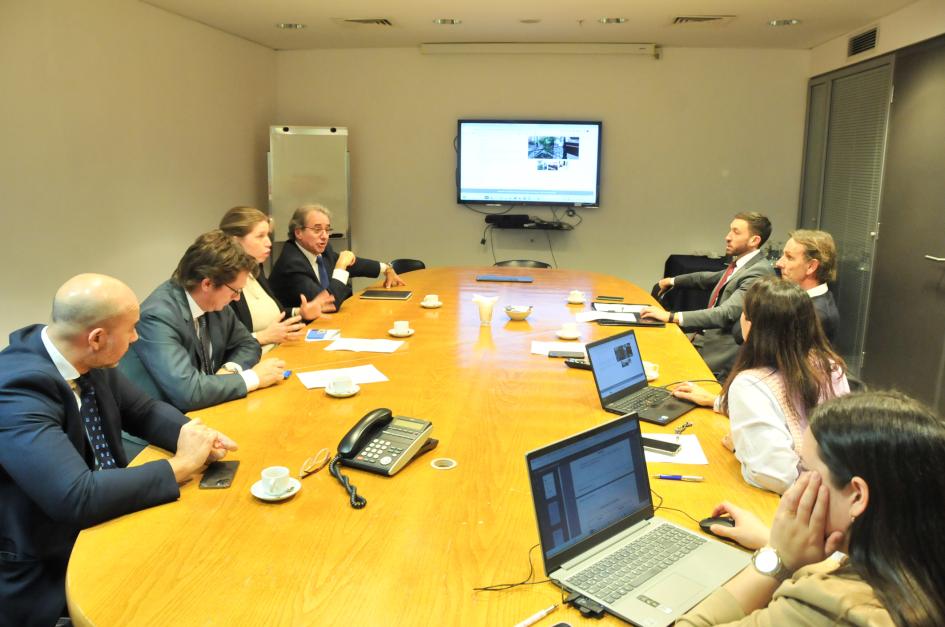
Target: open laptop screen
617	364
590	486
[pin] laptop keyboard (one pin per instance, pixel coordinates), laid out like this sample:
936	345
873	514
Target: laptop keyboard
643	399
635	564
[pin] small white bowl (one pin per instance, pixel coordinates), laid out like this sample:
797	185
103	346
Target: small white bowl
518	312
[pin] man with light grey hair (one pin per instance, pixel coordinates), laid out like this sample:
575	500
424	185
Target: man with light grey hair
63	406
309	266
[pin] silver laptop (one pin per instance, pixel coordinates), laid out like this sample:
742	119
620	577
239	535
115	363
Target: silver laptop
592	501
621	381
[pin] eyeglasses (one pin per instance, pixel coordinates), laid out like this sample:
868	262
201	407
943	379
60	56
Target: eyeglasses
234	290
315	463
318	230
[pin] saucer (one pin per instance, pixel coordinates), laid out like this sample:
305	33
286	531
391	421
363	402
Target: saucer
572	301
396	334
567	336
260	492
354	391
435	305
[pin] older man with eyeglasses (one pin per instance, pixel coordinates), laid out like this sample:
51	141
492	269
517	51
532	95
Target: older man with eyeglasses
193	352
308	265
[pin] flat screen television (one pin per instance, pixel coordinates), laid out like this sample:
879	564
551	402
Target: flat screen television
528	162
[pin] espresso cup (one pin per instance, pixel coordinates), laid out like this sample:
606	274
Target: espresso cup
431	299
575	295
275	480
342	384
569	328
401	327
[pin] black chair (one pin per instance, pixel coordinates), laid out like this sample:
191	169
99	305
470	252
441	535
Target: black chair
407	265
521	263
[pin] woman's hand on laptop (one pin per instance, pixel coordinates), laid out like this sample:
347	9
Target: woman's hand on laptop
748	531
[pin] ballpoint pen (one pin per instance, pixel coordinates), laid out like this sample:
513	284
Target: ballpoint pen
537	616
680	477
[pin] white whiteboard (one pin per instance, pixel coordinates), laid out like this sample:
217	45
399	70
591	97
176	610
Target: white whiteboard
308	164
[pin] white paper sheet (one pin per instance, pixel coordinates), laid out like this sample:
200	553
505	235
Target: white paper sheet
358	374
364	346
690	453
618	307
589	316
542	348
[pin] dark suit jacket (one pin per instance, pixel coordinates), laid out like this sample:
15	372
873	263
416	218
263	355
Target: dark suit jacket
829	315
48	491
241	307
715	342
294	275
165	361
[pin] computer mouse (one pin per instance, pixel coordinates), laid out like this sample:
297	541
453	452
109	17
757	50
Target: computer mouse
725	521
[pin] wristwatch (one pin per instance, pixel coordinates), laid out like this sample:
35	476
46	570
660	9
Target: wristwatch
767	562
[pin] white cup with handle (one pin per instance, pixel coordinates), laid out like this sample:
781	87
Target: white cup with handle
275	480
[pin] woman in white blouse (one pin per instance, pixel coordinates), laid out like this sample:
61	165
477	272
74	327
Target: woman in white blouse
258	309
784	369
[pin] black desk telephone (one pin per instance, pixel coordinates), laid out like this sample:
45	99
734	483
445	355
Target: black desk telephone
381	443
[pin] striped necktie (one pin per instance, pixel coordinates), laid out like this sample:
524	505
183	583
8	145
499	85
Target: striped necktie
205	344
92	421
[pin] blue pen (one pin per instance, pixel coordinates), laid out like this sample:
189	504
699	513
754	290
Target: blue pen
286	374
680	477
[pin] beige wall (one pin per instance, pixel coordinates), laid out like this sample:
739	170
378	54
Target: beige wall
688	141
917	22
124	132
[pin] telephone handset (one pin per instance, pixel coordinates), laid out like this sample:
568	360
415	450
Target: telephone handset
381	443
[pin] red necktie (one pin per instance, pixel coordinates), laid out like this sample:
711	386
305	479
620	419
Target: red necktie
718	288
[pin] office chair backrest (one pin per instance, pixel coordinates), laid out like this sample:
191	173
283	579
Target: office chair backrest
407	265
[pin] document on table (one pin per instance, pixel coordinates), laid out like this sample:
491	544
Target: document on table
618	308
589	316
322	335
358	374
364	346
542	348
690	453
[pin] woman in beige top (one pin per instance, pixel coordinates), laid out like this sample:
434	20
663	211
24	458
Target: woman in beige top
258	309
876	492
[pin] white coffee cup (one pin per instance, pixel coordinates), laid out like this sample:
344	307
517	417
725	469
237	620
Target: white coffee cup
401	327
431	299
342	384
275	480
575	295
569	329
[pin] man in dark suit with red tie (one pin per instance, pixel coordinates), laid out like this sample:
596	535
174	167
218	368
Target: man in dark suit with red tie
712	326
309	265
63	406
193	351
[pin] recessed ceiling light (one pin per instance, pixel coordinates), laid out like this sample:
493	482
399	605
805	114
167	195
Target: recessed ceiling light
788	22
447	21
612	20
290	26
530	20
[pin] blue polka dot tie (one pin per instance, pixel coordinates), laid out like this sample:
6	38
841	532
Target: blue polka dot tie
92	421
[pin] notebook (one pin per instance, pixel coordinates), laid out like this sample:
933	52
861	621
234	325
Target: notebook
621	381
385	295
591	494
504	278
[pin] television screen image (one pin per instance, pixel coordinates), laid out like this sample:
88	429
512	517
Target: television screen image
528	162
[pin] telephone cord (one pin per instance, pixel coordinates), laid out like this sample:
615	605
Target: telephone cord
357	501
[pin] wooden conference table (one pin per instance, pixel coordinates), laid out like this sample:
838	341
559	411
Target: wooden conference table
427	536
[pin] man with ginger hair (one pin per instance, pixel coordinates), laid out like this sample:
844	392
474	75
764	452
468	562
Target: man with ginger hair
63	406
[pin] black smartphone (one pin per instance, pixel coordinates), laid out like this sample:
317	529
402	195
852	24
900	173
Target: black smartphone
602	297
219	475
566	354
658	446
581	364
